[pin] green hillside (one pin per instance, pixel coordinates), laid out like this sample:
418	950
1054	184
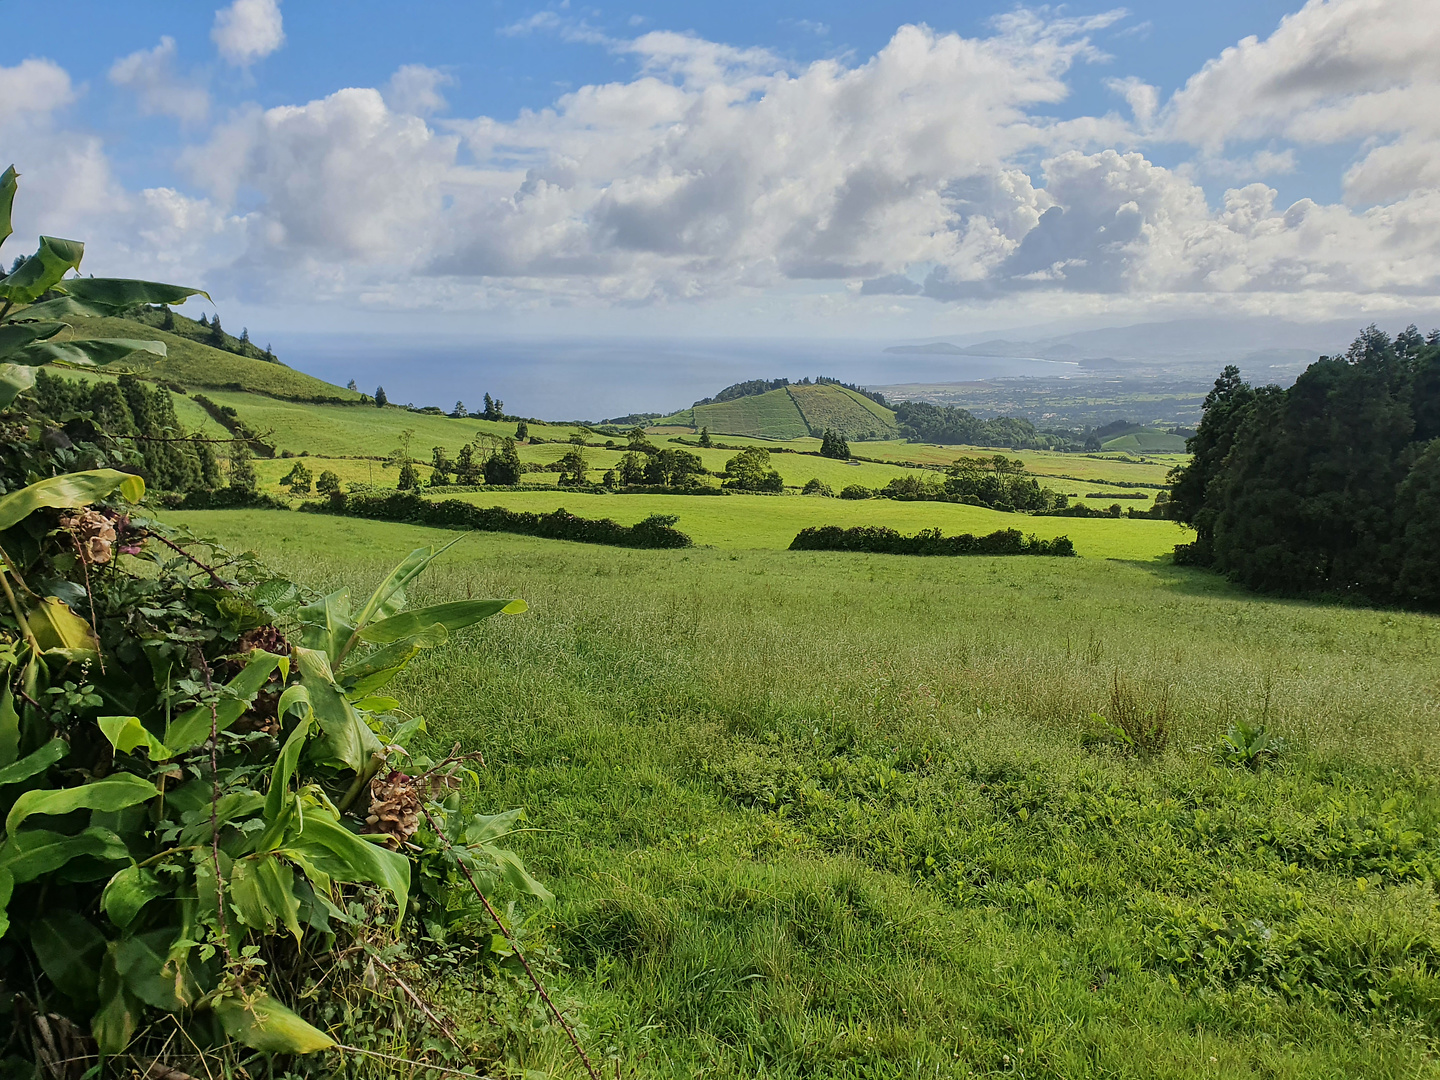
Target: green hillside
1148	441
772	415
853	415
195	365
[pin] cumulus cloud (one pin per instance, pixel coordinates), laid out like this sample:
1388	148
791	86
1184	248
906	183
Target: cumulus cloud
415	89
933	170
150	75
248	30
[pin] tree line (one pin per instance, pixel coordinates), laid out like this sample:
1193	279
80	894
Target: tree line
920	421
1329	487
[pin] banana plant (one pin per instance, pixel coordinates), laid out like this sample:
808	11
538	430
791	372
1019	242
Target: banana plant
36	297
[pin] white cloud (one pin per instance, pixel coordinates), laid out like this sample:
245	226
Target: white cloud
933	169
150	74
415	89
248	30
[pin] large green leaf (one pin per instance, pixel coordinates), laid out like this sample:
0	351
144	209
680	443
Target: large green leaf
113	793
127	734
51	262
262	1023
365	674
17	335
390	596
7	200
59	629
87	352
7	889
453	616
326	623
9	721
263	891
348	740
31	764
289	756
68	491
116	1020
36	852
14	381
192	728
357	860
70	951
129	891
143	961
121	293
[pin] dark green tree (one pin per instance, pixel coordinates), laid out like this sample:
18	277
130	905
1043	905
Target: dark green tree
328	484
750	470
1225	409
217	335
298	479
834	445
380	399
167	318
502	468
573	468
467	469
409	477
522	431
705	440
242	478
632	469
441	467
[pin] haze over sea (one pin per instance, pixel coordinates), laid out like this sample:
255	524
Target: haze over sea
595	378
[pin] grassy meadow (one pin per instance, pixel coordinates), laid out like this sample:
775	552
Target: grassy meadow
813	815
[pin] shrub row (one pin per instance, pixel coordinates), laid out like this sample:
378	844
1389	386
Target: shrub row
656	531
877	538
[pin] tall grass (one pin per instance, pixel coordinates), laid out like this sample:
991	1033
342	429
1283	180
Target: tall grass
816	815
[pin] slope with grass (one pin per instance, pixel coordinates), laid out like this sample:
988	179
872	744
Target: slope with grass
772	415
195	365
1148	441
821	815
829	407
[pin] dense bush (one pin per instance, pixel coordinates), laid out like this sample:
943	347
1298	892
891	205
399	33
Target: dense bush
876	538
750	470
1331	486
656	531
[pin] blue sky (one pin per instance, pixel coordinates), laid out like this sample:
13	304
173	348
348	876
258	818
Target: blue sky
784	168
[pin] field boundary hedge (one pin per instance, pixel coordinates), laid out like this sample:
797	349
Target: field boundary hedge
879	539
656	531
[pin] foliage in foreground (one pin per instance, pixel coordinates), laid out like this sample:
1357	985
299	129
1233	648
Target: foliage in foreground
877	538
1329	487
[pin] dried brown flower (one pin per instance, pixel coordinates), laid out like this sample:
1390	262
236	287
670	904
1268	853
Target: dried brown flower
394	808
94	535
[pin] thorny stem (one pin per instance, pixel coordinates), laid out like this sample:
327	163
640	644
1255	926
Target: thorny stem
510	940
216	578
90	596
214	811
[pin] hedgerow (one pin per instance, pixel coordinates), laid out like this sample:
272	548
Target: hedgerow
877	538
656	531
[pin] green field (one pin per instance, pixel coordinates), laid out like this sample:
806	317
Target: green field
771	521
772	415
1147	442
834	407
823	815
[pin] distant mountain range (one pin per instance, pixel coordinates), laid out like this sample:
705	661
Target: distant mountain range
1260	346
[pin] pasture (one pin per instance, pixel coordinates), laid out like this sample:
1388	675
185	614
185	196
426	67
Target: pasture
825	815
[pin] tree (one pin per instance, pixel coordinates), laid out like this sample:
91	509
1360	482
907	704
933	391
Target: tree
705	440
834	445
460	410
816	486
577	439
244	335
298	479
639	442
489	410
522	431
167	318
1225	408
440	466
351	386
672	468
328	484
632	469
409	477
467	470
203	321
573	468
217	335
502	468
750	470
610	480
242	479
380	399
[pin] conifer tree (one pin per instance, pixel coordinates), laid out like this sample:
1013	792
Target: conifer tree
380	399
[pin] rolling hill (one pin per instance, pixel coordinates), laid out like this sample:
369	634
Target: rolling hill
195	365
791	412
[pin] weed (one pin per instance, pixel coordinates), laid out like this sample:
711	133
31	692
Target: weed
1250	745
1133	726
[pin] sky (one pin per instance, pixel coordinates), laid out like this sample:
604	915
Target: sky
890	170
